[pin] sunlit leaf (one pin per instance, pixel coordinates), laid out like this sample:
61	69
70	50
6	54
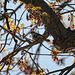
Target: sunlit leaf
22	25
74	61
9	19
8	68
0	66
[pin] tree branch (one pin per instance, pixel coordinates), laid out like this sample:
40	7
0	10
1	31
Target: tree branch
62	70
55	27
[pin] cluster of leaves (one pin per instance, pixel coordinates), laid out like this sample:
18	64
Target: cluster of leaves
23	64
34	14
9	61
38	72
25	67
9	64
54	53
36	17
12	25
55	58
52	4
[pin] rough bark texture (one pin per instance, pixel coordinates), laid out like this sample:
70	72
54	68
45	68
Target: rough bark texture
64	39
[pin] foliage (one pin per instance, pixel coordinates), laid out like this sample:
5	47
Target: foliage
15	33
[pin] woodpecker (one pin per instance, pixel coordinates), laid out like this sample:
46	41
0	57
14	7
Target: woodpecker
37	37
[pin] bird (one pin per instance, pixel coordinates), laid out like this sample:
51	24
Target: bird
37	36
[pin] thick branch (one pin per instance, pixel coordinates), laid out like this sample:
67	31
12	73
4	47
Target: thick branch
55	27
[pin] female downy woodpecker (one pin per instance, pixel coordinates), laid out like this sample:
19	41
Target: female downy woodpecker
37	36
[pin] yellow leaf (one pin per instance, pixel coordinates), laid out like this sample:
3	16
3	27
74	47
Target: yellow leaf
74	61
19	1
32	22
0	66
31	19
38	8
9	19
26	6
5	25
22	25
12	23
7	67
12	27
18	29
41	73
44	13
33	73
33	8
57	50
50	4
52	54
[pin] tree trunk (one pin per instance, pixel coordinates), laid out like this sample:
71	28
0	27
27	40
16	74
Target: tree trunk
64	39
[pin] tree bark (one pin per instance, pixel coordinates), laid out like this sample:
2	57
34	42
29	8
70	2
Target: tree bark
64	39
